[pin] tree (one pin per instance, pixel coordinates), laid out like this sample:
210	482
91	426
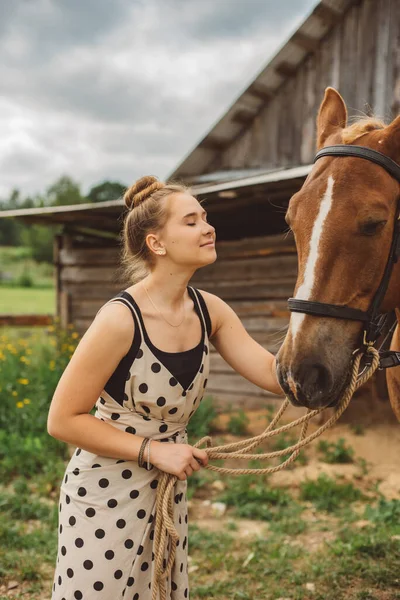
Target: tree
63	192
108	190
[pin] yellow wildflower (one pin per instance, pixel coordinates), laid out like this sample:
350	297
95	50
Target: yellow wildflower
14	393
71	348
20	404
75	335
52	364
23	381
27	401
50	328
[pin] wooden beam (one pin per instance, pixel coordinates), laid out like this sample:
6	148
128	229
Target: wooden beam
26	320
213	143
327	14
260	91
243	116
306	42
285	69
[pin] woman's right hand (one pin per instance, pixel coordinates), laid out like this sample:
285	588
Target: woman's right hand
177	459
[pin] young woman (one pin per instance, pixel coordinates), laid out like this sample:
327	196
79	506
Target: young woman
142	364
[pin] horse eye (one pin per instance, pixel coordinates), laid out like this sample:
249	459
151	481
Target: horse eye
372	227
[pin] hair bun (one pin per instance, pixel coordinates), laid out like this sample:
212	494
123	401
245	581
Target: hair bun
140	190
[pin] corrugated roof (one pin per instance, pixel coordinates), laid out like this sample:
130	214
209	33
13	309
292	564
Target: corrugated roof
284	64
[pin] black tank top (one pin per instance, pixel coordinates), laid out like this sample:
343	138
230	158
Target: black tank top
183	365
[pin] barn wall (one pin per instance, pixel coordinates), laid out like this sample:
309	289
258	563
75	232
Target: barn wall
255	276
359	57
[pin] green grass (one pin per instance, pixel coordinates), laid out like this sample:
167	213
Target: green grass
24	300
335	452
328	495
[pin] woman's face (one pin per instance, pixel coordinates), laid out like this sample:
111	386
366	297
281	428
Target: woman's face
187	235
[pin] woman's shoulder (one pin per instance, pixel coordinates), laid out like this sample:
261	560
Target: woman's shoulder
114	320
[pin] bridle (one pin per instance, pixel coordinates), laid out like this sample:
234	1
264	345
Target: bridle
373	320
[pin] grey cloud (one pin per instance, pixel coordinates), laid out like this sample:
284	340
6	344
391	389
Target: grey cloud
120	88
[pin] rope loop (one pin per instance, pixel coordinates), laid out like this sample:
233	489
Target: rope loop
164	524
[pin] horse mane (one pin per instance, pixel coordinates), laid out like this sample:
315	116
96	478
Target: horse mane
360	127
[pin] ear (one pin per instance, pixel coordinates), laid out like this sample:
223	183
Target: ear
332	116
392	139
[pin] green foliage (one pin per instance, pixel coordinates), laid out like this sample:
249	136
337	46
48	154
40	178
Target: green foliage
253	498
357	428
336	452
285	440
326	494
386	511
108	190
200	422
25	279
30	368
238	423
64	191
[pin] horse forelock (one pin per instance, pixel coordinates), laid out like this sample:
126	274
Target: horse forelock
360	127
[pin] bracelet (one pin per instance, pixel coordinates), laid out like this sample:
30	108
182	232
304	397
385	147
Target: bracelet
141	451
148	457
142	464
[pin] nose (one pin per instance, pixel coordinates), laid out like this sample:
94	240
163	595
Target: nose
309	383
314	382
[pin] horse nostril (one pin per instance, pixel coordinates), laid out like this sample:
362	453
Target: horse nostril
314	378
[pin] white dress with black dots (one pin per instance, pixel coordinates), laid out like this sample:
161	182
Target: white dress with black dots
107	505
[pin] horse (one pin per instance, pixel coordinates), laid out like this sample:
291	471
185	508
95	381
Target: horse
345	223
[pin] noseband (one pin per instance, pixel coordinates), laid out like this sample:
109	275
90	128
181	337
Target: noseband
372	319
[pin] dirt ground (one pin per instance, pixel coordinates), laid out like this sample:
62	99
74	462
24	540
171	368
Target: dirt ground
378	443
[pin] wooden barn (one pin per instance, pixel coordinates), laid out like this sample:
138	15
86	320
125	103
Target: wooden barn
246	169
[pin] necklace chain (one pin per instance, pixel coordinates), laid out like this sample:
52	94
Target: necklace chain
172	325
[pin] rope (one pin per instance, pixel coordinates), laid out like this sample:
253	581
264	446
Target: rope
164	525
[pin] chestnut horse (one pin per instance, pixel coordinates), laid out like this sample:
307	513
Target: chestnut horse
344	219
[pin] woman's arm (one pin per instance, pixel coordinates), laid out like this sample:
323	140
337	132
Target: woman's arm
238	348
98	353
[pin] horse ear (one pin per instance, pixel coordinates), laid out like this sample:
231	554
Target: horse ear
392	138
332	116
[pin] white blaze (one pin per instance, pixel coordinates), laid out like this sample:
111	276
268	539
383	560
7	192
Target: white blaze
304	291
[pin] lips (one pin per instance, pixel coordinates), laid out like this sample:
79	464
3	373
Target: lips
208	244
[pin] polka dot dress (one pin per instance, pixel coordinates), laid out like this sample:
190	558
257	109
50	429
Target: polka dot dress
107	505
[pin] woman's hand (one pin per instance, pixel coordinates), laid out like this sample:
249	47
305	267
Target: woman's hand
177	459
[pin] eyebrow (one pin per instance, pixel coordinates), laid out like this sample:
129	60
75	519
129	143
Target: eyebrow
193	214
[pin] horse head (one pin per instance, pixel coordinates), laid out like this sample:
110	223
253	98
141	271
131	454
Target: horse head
343	221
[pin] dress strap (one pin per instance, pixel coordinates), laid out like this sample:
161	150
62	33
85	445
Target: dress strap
121	298
196	297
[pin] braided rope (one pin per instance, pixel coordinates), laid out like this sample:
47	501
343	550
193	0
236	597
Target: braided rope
164	526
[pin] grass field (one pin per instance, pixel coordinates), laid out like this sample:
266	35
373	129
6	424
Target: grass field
22	300
326	529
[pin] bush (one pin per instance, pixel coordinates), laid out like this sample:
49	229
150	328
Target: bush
336	452
328	495
238	422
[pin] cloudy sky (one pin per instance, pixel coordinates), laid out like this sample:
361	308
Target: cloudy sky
116	89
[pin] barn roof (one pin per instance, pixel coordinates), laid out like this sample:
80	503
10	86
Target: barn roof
229	193
238	118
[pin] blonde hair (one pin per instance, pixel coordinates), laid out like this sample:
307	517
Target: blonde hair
147	213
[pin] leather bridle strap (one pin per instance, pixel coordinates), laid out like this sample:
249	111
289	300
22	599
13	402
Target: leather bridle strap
362	152
375	321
